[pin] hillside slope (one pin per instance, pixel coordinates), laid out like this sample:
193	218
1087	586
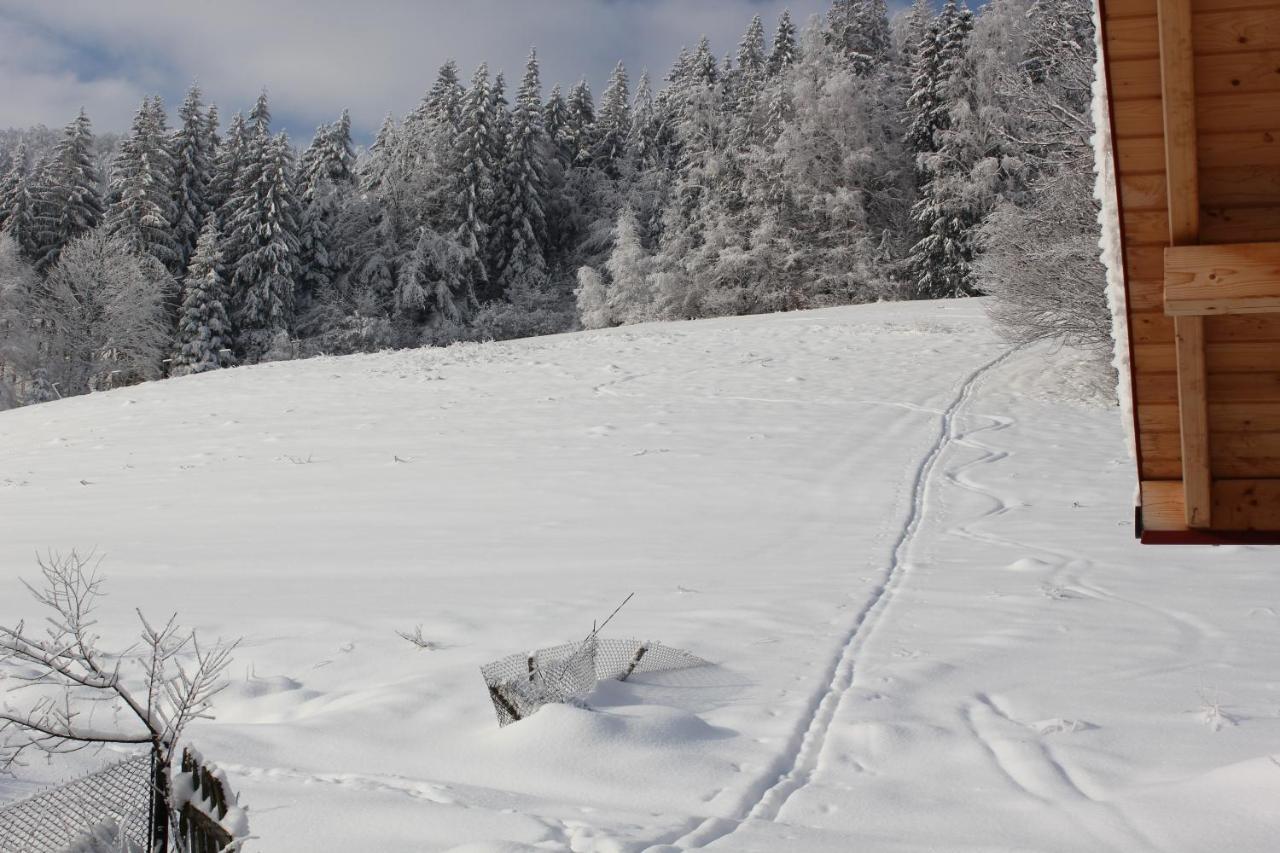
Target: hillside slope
908	552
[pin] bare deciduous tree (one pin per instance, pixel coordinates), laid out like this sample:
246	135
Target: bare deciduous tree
67	694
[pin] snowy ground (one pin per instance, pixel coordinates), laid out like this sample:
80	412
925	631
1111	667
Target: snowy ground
909	554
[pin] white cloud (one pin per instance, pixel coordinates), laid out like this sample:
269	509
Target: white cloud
318	56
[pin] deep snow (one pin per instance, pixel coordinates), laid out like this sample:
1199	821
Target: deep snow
909	554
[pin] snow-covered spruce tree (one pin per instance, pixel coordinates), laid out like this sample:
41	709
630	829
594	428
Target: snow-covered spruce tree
378	161
701	127
18	203
748	80
926	104
473	200
910	30
592	300
326	177
860	30
580	130
555	121
67	193
444	102
630	298
193	166
613	125
431	289
521	232
18	351
949	209
260	115
643	137
229	161
103	321
13	180
783	53
204	338
265	230
142	210
558	209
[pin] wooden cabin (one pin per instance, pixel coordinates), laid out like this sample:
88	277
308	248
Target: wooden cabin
1193	91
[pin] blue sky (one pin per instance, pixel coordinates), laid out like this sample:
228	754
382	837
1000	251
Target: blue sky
318	56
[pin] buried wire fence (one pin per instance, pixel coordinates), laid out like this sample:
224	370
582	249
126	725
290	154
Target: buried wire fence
521	684
52	821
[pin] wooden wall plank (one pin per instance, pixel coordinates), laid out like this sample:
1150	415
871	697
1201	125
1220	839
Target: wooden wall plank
1154	327
1133	38
1256	71
1223	387
1140	155
1250	111
1143	192
1142	118
1226	357
1243	148
1247	504
1117	9
1232	31
1216	74
1240	186
1223	417
1239	224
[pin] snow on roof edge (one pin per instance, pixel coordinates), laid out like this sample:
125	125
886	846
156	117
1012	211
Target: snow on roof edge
1110	240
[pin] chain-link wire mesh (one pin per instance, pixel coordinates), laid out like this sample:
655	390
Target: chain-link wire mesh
521	684
51	821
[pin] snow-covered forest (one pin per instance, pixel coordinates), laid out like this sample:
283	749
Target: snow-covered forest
850	159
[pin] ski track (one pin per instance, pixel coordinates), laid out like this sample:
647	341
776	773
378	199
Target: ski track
795	767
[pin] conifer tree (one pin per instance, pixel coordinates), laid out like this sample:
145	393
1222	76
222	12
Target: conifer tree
784	52
556	123
752	59
142	210
444	101
193	174
264	231
613	124
431	287
581	128
643	138
522	229
17	203
860	29
499	118
377	165
260	115
67	198
474	196
204	337
14	178
926	105
228	162
948	213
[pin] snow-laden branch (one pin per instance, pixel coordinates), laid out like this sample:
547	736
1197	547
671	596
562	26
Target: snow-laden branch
67	675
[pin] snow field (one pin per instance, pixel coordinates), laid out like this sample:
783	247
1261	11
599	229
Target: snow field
910	558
